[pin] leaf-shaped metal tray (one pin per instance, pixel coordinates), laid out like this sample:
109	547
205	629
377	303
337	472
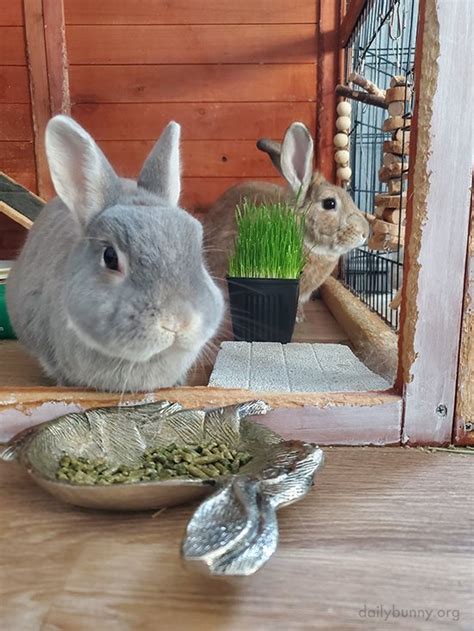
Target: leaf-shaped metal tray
232	532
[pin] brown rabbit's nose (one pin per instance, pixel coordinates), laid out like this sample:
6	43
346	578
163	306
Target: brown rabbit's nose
361	220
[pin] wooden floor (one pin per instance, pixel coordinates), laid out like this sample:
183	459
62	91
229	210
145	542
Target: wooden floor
383	528
17	368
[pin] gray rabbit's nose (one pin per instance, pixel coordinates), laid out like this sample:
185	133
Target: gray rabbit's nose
173	324
172	327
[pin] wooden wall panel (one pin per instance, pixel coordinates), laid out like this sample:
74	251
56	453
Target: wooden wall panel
228	72
220	121
190	12
11	13
199	193
17	157
201	158
15	122
14	84
234	43
12	46
257	83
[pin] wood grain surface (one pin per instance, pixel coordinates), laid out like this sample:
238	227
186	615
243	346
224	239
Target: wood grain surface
192	83
14	84
381	528
189	12
200	121
198	43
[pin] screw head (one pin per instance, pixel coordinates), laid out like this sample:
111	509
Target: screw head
442	410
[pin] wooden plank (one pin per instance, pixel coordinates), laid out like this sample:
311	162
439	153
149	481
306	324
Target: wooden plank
15	216
350	20
199	193
17	159
15	121
12	46
12	237
198	44
328	77
372	533
38	80
191	83
201	158
14	84
364	418
11	13
186	12
25	177
8	184
23	202
200	121
464	419
56	56
428	369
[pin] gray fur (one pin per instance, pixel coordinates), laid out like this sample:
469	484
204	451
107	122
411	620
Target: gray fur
91	327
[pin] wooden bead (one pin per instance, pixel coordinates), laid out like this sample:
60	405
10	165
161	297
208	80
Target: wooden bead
344	108
398	80
344	173
396	108
343	123
400	93
342	157
341	140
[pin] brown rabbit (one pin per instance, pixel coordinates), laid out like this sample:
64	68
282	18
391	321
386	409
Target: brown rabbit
333	225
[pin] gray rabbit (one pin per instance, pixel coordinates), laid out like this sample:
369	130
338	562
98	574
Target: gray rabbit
111	290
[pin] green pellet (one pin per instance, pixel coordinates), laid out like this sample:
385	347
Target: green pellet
208	460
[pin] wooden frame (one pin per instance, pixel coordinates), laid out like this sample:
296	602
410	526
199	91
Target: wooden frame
48	76
464	421
435	258
420	409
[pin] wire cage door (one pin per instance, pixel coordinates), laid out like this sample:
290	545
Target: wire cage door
381	47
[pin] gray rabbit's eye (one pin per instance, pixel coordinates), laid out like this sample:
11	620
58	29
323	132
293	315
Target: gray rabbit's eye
111	259
329	203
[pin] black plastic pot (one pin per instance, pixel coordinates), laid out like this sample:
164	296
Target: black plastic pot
263	309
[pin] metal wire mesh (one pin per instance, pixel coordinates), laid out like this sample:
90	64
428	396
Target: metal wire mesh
382	45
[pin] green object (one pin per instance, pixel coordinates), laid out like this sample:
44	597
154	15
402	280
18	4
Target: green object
269	241
162	463
6	329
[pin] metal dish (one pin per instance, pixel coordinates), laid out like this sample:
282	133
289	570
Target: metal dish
232	532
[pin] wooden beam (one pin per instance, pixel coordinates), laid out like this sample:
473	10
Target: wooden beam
56	56
328	75
349	418
435	255
464	421
362	97
39	92
350	20
373	341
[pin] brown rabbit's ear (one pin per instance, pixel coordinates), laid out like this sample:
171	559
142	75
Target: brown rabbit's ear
297	158
273	149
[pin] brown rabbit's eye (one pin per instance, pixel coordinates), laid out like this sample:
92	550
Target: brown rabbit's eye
111	258
329	203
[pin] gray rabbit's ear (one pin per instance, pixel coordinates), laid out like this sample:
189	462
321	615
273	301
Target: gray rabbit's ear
297	158
161	172
81	174
273	149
